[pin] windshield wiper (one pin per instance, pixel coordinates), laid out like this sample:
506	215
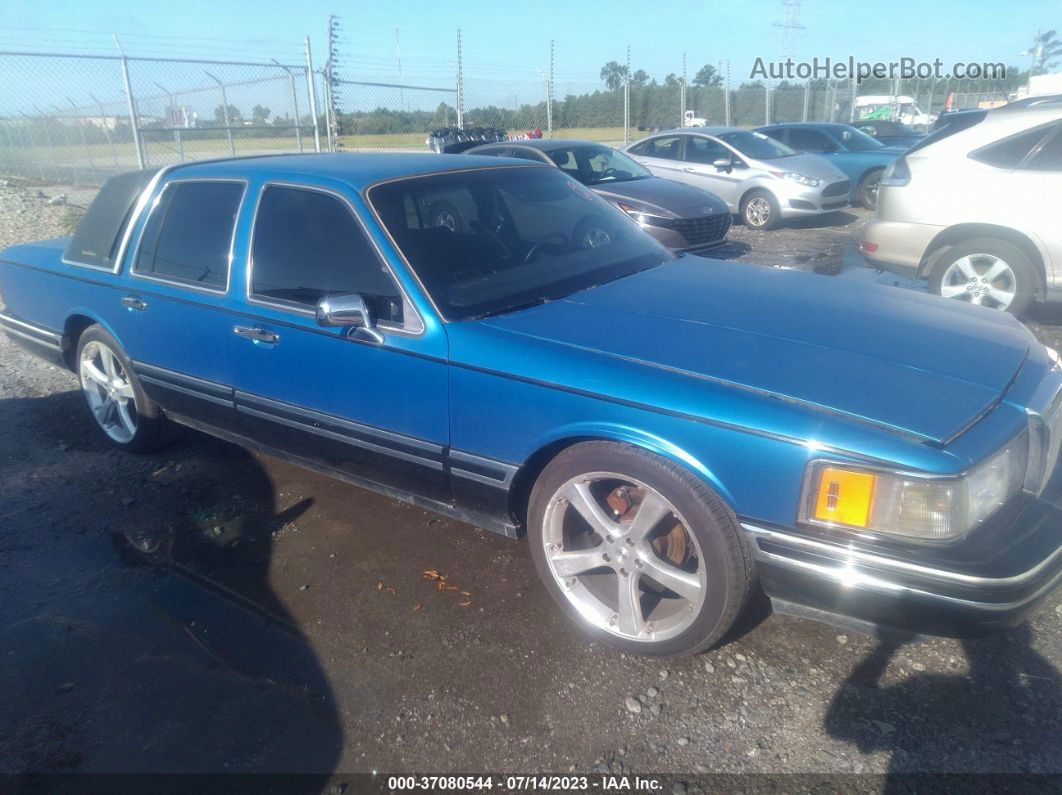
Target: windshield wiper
513	308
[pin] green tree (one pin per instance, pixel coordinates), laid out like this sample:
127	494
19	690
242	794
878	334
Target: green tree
614	75
707	76
1046	49
260	115
235	116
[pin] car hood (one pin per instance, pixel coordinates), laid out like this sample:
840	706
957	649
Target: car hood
813	166
903	361
656	194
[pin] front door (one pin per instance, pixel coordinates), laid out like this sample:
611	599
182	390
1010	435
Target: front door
700	153
372	410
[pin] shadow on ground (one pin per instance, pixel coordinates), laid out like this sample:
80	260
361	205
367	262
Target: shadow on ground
192	664
932	722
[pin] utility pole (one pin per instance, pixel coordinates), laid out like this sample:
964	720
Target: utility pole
225	113
311	90
627	100
549	93
134	122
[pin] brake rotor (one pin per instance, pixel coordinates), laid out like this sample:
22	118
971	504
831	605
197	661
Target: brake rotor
673	546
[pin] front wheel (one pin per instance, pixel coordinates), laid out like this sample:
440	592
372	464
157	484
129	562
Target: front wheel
986	272
637	551
867	194
760	210
117	402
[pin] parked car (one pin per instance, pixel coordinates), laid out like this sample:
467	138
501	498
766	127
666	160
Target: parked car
672	433
761	180
860	157
889	133
899	108
680	216
974	210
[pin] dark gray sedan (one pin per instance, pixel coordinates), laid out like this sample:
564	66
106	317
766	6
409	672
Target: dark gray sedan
680	216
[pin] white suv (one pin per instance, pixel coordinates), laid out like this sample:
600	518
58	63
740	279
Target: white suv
976	209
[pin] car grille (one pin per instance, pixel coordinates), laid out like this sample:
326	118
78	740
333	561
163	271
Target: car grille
699	231
836	189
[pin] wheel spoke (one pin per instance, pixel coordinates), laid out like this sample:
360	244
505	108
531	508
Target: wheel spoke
965	264
649	514
125	416
1002	297
569	564
580	498
997	270
952	290
681	582
976	298
89	368
125	391
107	358
628	605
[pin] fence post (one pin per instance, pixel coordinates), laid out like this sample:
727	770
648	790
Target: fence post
311	91
682	94
853	91
767	103
726	96
627	100
807	101
84	138
460	86
176	132
225	113
134	122
549	93
29	136
294	101
106	132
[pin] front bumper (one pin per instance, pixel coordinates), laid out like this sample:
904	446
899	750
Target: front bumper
992	578
690	234
796	200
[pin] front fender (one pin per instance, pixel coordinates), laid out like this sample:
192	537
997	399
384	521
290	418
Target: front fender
639	438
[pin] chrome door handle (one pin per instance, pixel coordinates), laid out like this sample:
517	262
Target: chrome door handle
132	302
256	334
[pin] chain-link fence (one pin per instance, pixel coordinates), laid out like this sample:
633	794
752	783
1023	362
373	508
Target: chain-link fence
78	119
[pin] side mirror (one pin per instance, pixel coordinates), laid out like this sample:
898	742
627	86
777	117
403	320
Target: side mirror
348	311
723	163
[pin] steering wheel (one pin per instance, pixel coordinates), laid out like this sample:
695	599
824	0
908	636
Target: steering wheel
531	252
609	172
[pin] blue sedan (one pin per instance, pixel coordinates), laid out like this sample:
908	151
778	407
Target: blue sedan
858	155
672	433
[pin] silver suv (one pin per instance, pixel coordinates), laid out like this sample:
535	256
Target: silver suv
760	179
974	209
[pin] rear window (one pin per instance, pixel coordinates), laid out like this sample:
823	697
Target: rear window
189	235
99	235
962	120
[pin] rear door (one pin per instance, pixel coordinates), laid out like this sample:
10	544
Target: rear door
174	322
369	410
661	155
1037	182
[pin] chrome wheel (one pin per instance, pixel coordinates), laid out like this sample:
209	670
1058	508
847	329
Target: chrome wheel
108	391
595	237
982	279
624	557
757	211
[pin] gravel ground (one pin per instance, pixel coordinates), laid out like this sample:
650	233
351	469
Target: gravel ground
315	645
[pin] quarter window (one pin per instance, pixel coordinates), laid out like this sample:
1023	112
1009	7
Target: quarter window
307	245
188	237
1049	158
1009	152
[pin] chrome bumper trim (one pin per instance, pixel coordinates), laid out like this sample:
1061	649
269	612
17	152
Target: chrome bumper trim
855	557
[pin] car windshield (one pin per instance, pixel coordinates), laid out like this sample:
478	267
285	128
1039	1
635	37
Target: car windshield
756	145
593	164
493	240
858	141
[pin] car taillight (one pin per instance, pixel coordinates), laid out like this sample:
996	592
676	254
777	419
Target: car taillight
897	174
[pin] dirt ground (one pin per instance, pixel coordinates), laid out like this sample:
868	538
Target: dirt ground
296	632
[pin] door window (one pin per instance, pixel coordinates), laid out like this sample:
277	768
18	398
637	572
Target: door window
307	245
806	140
188	238
664	148
1009	152
704	150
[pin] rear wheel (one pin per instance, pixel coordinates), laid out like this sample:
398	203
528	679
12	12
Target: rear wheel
115	399
986	272
637	551
760	210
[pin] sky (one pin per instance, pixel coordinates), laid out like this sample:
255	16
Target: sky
507	43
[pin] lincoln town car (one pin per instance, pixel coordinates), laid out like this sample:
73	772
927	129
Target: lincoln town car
674	436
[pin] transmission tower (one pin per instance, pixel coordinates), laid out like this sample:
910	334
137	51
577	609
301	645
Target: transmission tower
789	26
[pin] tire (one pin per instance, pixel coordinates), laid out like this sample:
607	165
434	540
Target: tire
694	547
961	272
759	210
114	397
445	215
867	192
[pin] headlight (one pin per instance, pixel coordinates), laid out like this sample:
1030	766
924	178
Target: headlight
640	216
912	505
794	177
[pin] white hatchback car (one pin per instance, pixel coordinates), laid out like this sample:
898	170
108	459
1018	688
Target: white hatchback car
974	209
